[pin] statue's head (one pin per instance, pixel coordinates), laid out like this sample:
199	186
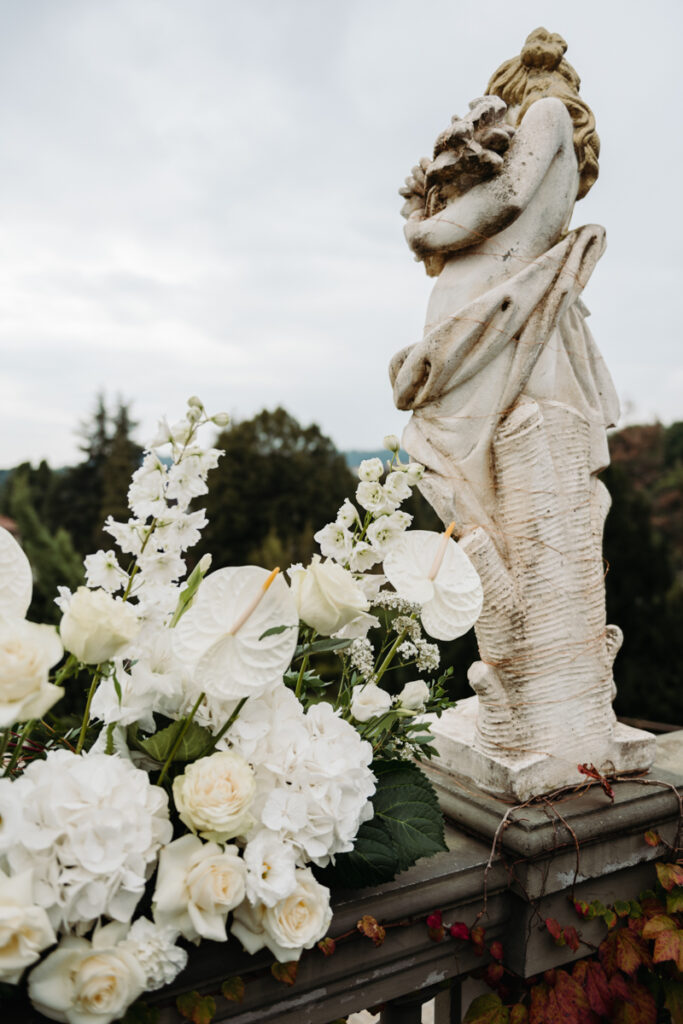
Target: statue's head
541	70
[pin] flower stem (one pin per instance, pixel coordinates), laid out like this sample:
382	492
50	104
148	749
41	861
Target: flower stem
4	742
179	739
300	678
86	714
219	735
25	733
387	661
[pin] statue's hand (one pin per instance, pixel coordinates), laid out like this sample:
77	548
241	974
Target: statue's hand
414	190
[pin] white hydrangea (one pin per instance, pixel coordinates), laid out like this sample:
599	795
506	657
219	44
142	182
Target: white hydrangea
154	949
90	830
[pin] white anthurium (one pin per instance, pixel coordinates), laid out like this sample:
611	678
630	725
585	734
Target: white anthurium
220	637
433	571
16	579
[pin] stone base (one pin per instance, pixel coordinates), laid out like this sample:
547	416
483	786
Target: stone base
522	777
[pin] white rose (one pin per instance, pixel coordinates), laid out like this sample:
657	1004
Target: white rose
25	929
27	653
198	884
86	982
414	695
369	701
96	626
270	864
326	595
298	921
370	470
214	794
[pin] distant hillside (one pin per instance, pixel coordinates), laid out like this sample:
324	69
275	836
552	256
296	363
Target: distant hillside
354	457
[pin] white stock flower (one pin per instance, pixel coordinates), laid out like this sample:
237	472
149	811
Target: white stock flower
180	530
103	570
90	829
146	492
396	486
335	541
97	626
383	532
348	514
25	929
129	536
154	948
326	595
370	470
414	695
270	863
372	496
363	557
414	472
214	794
299	920
368	701
391	442
27	653
85	982
155	682
198	884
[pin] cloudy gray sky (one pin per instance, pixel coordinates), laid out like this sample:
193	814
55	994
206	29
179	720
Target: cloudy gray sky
200	197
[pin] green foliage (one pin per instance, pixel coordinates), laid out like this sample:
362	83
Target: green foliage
233	989
278	483
140	1013
196	1008
195	741
407	825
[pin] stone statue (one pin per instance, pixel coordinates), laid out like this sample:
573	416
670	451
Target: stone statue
510	400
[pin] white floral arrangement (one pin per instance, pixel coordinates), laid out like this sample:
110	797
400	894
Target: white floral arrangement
216	779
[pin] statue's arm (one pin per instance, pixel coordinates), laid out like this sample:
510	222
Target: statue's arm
492	205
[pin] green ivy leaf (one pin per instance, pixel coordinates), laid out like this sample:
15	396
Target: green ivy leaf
233	990
487	1009
669	875
196	1008
195	741
286	973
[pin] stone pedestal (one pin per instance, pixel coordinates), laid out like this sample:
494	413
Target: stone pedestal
520	777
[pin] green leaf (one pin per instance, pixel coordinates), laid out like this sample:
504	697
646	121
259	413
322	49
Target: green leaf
274	630
669	875
372	861
286	973
622	908
196	1008
406	804
195	741
487	1009
322	646
233	990
674	900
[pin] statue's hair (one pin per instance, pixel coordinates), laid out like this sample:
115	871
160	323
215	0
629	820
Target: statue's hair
539	71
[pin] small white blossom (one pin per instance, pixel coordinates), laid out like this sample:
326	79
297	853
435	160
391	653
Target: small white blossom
103	570
348	514
370	470
391	442
397	487
335	541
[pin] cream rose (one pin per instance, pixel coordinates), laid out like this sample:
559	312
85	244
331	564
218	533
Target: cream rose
198	884
86	982
414	695
96	626
27	653
298	921
369	701
214	794
25	929
327	596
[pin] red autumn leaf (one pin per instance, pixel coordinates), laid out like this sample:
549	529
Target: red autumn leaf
638	1008
610	918
518	1014
567	1001
592	772
669	875
539	1004
619	986
652	838
668	946
435	920
659	923
435	934
493	974
673	999
369	927
554	928
233	990
496	950
327	946
286	973
571	937
477	940
631	951
581	908
591	977
196	1008
459	930
607	951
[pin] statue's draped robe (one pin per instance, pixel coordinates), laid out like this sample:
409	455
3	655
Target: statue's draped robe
525	337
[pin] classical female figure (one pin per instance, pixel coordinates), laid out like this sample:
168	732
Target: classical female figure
511	400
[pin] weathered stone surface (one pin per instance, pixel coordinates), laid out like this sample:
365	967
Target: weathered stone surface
511	400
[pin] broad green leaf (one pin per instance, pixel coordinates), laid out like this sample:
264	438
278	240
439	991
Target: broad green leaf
322	647
372	861
487	1009
406	804
274	630
195	741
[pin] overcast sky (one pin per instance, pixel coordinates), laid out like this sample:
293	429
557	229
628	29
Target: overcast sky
201	197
